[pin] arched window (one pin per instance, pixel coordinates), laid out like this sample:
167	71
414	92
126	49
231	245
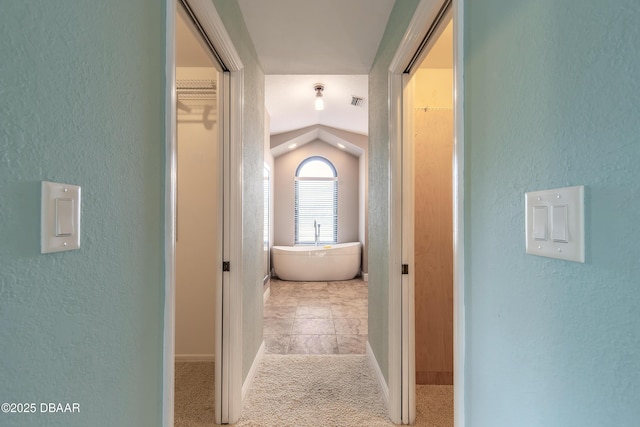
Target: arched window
316	206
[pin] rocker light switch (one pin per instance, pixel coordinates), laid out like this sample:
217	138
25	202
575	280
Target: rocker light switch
559	224
64	217
555	223
60	217
540	219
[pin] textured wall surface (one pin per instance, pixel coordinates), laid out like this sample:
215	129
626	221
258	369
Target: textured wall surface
252	166
379	181
82	102
551	101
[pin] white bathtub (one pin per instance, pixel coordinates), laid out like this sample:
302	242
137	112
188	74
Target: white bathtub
316	263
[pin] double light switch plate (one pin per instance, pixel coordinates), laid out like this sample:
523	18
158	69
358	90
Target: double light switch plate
555	223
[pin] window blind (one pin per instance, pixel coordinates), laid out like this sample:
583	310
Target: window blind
316	199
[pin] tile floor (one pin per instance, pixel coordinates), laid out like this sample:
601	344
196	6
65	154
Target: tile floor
316	317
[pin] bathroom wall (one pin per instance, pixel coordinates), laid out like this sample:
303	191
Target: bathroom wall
551	100
433	225
399	19
83	88
198	205
284	198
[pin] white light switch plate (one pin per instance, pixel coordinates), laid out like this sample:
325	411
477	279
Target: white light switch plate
563	237
60	217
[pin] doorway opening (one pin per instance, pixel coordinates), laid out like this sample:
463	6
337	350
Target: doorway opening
212	102
198	221
428	229
317	299
429	161
430	21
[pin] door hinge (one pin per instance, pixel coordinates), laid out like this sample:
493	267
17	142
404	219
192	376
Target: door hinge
226	266
405	268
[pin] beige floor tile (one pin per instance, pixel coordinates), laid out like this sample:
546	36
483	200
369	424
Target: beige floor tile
280	311
350	326
276	344
315	311
346	311
276	326
313	327
352	344
281	300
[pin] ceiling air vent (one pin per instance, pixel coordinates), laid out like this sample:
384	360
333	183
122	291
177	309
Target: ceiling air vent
356	101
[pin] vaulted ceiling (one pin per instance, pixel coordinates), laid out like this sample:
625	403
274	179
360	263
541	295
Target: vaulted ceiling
303	42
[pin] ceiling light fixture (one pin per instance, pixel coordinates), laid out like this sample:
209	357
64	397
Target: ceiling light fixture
319	88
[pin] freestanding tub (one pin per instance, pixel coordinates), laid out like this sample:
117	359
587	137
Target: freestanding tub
316	263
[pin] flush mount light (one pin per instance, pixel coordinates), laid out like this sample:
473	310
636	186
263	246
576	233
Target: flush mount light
319	88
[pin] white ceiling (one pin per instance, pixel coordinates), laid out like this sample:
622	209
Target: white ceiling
290	101
316	36
303	42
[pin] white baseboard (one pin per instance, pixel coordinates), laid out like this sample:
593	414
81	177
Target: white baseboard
365	276
195	357
267	294
252	372
381	381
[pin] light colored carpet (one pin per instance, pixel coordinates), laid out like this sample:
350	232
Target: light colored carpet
309	390
194	394
306	390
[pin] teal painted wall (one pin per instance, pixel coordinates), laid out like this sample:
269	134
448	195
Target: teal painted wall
551	100
252	166
378	237
82	102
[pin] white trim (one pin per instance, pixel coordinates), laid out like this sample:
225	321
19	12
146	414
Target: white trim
395	249
376	367
168	350
365	276
195	358
231	388
253	371
214	28
266	295
228	341
223	322
423	18
408	255
459	314
235	307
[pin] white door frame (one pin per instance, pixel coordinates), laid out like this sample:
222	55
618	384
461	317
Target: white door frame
228	326
401	295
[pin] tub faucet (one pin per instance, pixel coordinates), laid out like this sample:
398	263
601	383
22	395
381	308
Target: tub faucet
316	228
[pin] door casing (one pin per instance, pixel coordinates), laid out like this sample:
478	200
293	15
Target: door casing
402	407
228	328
